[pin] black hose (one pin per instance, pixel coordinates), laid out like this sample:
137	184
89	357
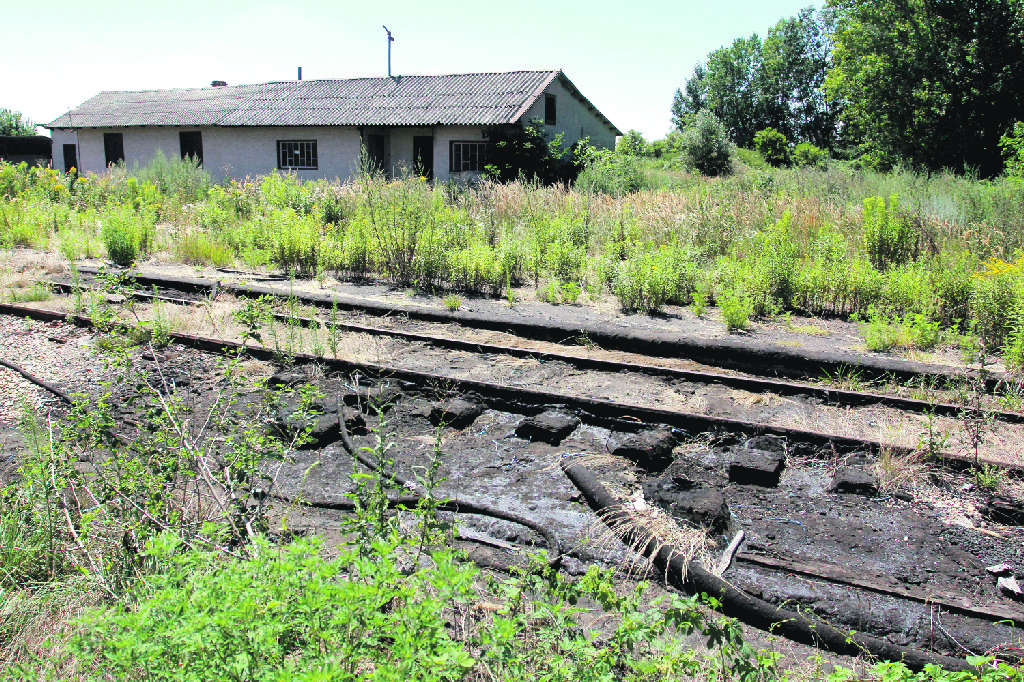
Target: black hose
736	603
37	381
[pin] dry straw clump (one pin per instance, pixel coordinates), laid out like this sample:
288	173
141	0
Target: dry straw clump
646	531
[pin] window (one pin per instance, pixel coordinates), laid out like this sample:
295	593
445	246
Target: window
296	154
468	156
191	142
113	147
549	110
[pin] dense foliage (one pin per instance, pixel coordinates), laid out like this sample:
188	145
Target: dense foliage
775	83
12	123
929	85
526	153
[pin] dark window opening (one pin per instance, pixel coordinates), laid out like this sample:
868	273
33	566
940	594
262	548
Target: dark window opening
549	110
192	145
423	155
468	156
113	148
70	157
296	154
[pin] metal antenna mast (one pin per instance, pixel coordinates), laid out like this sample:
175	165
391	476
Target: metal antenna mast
390	40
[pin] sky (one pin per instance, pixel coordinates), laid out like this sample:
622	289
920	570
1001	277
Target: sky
627	58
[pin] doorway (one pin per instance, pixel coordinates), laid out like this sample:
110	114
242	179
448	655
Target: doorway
423	155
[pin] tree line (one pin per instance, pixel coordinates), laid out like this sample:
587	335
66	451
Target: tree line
929	84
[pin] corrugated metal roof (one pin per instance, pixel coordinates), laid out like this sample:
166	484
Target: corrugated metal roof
458	99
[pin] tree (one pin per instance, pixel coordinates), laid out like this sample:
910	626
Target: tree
686	105
929	83
13	124
526	152
706	145
632	144
776	83
791	78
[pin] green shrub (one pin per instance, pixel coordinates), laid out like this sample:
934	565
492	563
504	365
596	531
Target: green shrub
631	144
646	281
706	146
889	236
1012	145
806	154
127	235
881	332
199	248
750	158
183	179
772	281
616	174
736	309
283	614
476	269
997	297
772	146
526	152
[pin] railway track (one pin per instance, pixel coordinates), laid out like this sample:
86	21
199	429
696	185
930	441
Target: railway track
701	389
799	526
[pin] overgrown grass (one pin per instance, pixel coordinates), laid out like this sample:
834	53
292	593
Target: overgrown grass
827	241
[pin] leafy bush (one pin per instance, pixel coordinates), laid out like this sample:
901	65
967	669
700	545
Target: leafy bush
705	145
1012	145
525	152
750	158
889	236
184	179
127	235
997	299
772	146
736	309
199	248
616	174
772	280
631	144
806	154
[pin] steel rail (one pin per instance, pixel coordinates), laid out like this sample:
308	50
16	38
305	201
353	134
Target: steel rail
833	396
732	352
621	416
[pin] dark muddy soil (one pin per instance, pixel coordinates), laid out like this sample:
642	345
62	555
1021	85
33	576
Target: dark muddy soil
926	573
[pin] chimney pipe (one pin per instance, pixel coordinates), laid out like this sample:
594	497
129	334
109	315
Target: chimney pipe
300	73
390	40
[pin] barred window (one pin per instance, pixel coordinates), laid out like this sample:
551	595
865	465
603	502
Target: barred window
468	156
296	154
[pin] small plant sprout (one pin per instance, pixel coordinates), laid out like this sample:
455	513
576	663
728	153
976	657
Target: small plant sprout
452	302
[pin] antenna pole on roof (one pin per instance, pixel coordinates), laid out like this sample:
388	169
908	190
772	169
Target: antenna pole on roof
390	40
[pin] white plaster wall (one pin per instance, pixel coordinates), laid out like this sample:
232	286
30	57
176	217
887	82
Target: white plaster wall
572	118
401	149
442	150
227	152
238	152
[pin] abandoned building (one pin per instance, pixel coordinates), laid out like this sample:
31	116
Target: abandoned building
434	125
